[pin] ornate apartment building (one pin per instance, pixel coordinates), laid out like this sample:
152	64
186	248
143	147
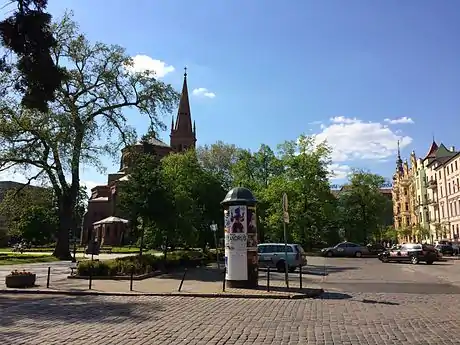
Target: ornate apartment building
104	221
443	184
403	193
426	195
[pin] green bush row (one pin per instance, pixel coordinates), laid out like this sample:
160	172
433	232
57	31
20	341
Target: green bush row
141	265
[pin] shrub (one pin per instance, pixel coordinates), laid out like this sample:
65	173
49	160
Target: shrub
145	264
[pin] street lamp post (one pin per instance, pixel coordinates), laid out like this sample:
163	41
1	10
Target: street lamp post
213	227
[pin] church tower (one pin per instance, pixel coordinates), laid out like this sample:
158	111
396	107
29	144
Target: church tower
183	135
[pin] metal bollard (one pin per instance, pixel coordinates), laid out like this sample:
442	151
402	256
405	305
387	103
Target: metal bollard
268	278
48	278
223	280
131	279
90	277
182	281
300	276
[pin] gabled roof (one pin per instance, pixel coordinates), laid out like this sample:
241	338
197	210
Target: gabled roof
432	150
442	155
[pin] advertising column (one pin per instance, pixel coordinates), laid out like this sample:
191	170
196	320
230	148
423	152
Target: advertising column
236	243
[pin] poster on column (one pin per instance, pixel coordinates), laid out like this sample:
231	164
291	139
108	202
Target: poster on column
252	229
236	243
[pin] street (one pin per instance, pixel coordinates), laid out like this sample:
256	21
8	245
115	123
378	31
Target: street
366	302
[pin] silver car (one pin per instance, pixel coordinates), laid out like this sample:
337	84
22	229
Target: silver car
346	249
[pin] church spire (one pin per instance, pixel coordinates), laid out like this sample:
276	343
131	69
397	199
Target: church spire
184	117
399	162
182	132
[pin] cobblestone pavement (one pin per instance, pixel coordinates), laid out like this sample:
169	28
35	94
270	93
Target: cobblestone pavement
367	302
356	318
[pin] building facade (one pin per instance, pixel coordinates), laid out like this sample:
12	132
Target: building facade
426	195
404	200
104	222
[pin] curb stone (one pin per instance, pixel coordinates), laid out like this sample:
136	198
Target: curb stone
311	293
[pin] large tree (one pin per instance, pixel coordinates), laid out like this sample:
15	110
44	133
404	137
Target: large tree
218	159
86	121
27	33
197	195
145	199
362	206
30	214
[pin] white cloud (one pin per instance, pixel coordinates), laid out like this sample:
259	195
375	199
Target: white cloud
338	171
342	119
144	63
352	139
315	123
203	92
401	120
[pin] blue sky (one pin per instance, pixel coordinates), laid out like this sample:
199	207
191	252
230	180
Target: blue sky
344	70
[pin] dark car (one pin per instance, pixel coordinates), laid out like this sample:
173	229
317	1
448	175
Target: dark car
410	252
346	249
445	249
376	248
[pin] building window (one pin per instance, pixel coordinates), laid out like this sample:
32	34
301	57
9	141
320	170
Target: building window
407	206
456	168
451	209
442	211
440	190
455	208
440	175
448	185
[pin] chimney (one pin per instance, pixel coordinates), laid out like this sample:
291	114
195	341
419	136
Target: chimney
452	148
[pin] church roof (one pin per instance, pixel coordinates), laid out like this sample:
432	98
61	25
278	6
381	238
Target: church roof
154	142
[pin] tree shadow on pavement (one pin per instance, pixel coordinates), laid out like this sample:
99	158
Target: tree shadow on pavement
334	296
205	274
69	309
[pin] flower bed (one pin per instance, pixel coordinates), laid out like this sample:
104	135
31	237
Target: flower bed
141	265
20	280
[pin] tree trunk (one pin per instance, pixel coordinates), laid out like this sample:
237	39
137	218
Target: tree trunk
66	224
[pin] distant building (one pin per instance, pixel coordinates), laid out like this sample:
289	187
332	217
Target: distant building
104	221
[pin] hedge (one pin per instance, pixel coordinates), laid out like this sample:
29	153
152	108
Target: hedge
147	263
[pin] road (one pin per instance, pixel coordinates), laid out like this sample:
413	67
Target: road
367	302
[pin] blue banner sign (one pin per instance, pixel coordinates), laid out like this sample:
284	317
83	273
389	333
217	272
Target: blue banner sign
339	186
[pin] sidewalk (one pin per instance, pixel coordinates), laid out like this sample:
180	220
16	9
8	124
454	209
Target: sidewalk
206	282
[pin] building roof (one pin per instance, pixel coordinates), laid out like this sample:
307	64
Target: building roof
110	220
99	199
154	142
432	150
442	155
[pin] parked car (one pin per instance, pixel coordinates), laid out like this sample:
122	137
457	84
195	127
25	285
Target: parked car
445	249
410	252
273	255
375	248
346	249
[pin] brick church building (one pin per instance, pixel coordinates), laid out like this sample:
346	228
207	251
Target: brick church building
103	221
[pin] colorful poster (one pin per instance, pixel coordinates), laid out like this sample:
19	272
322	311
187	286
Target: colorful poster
226	221
252	242
252	220
236	243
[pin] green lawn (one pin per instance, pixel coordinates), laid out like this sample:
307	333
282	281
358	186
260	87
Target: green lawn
18	259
